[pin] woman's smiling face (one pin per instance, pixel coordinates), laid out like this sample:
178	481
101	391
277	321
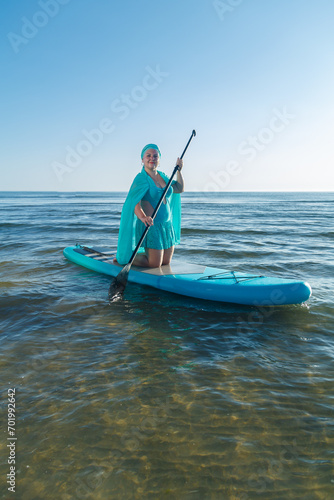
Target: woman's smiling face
151	159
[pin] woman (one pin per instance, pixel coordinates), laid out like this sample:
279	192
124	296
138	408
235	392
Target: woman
165	230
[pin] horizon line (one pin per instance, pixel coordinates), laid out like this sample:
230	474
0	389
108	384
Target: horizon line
208	192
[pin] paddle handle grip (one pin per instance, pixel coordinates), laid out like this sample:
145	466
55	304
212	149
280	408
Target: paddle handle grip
193	134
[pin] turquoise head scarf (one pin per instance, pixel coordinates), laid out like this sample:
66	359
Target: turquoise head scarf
150	146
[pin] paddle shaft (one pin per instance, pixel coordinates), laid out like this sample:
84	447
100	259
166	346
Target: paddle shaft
176	168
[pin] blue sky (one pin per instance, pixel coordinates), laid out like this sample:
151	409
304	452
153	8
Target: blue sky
86	84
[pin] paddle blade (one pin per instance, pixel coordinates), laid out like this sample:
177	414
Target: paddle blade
118	284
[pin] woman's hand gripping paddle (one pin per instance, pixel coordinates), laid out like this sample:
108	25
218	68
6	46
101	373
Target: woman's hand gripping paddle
118	284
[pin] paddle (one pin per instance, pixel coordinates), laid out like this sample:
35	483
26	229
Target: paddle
118	284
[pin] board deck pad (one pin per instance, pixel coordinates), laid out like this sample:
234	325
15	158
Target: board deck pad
176	267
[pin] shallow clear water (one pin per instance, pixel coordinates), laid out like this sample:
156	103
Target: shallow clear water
161	396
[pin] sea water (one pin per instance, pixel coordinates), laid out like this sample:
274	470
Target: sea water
159	395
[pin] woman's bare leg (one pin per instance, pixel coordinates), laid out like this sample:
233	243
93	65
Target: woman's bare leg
141	260
167	256
153	257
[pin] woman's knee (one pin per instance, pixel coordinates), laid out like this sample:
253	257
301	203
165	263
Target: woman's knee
166	260
155	259
154	263
167	256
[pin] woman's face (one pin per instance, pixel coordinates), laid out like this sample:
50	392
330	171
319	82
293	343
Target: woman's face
151	159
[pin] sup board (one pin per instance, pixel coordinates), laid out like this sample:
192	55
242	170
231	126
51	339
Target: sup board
199	281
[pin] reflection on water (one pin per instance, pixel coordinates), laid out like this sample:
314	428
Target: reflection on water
160	396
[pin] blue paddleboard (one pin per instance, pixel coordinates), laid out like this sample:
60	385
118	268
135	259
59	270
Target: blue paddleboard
199	281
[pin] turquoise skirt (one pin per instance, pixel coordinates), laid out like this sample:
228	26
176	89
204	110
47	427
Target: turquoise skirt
160	236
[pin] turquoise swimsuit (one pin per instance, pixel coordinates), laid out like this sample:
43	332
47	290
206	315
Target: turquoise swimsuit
161	235
166	230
